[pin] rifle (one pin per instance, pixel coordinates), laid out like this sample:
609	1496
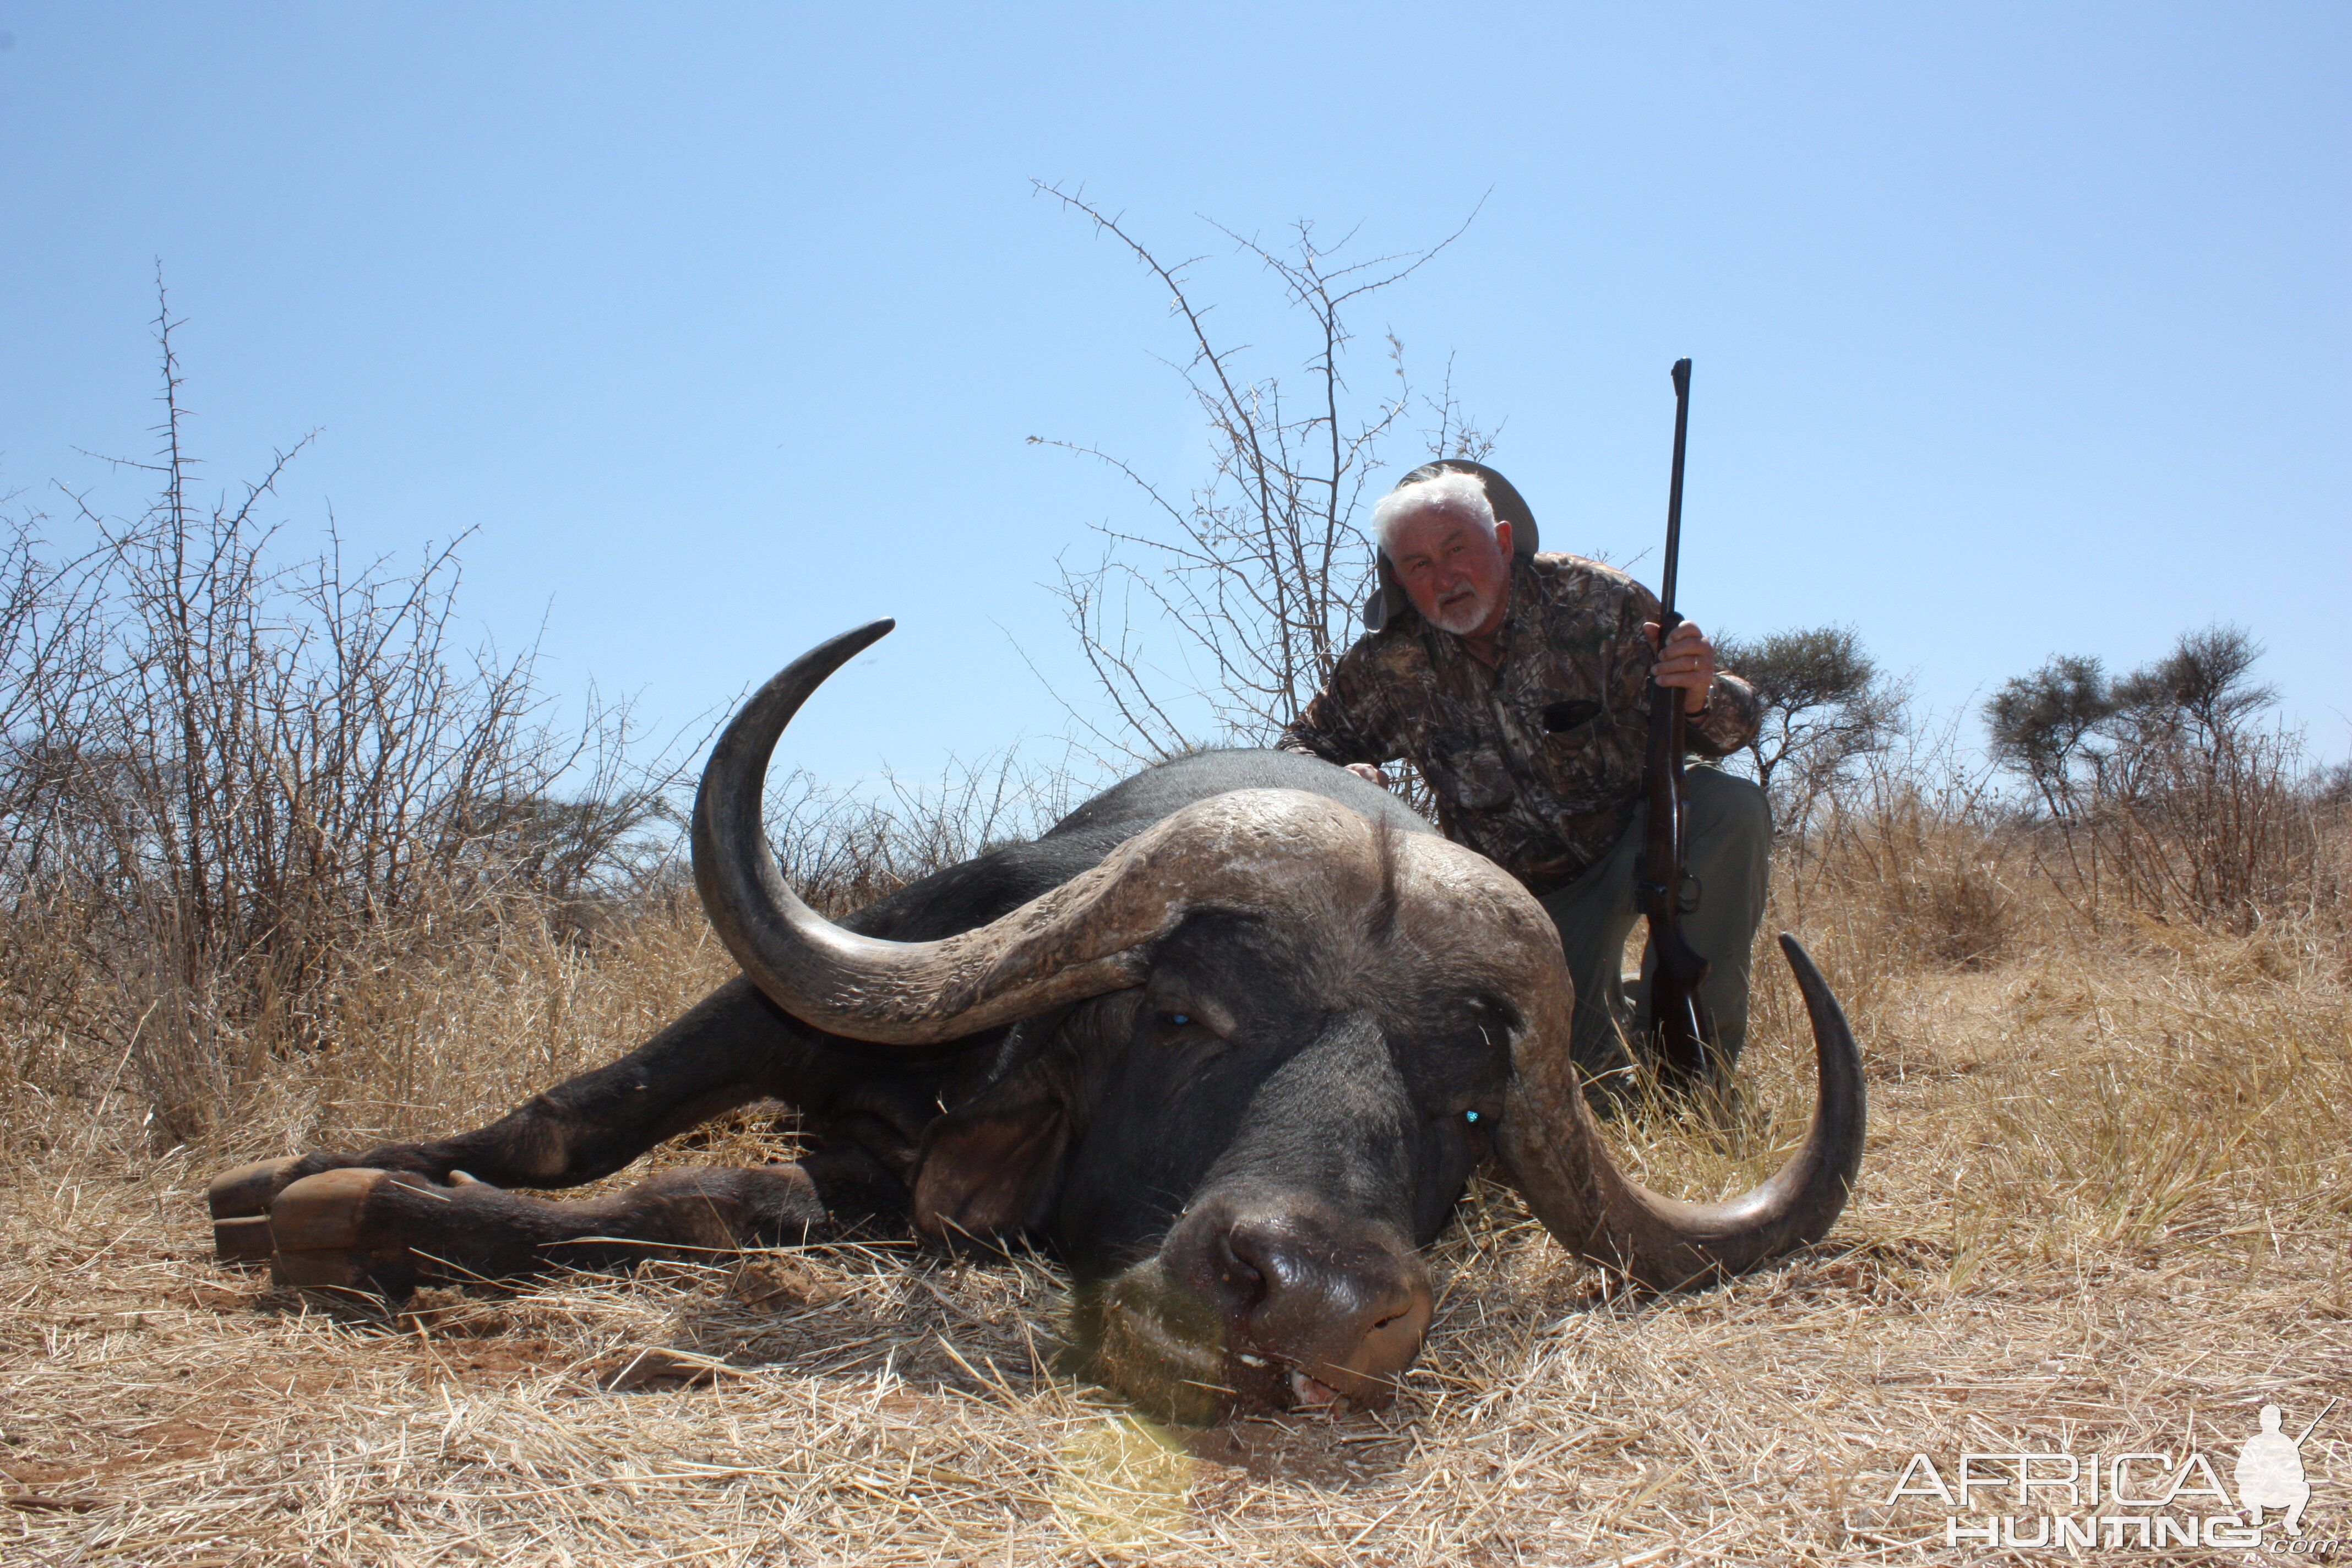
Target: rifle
1682	1033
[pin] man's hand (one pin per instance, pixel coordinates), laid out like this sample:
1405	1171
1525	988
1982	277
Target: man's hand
1687	662
1368	772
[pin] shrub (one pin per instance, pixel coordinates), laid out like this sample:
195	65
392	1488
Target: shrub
231	785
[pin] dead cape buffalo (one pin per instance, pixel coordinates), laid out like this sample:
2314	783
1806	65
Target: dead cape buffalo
1228	1039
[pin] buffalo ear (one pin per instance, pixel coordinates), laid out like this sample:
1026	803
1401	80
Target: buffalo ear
991	1173
994	1166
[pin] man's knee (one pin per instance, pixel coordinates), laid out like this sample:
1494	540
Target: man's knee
1726	805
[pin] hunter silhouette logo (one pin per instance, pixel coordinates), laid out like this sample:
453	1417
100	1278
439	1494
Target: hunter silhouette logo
2270	1471
2141	1498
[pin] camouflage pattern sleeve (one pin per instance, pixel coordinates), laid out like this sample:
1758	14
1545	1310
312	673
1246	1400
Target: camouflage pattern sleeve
1349	720
1728	722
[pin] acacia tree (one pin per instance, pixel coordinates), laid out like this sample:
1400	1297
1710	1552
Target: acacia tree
1252	576
2163	779
2046	726
1824	705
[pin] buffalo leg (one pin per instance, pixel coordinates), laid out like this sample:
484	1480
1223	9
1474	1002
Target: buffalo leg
384	1232
732	1048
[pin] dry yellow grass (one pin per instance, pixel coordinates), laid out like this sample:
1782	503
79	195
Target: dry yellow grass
2106	1205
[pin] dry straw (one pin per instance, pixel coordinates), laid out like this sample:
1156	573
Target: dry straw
2104	1206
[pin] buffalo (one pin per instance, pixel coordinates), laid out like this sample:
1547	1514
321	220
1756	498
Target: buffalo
1228	1040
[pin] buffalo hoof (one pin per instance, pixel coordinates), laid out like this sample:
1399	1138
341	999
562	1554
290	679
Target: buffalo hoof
245	1240
240	1200
247	1190
328	1235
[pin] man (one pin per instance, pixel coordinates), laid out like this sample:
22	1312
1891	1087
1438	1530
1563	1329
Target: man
1519	685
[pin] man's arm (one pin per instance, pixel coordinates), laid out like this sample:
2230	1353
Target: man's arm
1720	709
1348	722
1729	720
1726	721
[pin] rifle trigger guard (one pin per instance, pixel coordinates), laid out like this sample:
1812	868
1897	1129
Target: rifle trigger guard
1692	889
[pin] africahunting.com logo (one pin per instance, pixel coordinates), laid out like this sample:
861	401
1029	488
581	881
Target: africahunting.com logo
2155	1501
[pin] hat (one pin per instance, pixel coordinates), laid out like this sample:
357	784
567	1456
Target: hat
1388	601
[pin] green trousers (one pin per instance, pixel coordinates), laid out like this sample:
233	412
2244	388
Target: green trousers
1727	835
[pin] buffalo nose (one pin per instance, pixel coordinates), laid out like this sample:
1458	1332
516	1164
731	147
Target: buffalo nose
1344	1309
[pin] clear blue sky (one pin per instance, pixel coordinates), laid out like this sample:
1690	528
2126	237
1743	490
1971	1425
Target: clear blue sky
2019	329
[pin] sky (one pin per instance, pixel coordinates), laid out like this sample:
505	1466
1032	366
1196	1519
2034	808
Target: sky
2019	330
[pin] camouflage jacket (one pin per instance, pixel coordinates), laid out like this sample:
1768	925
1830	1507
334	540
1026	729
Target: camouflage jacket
1542	800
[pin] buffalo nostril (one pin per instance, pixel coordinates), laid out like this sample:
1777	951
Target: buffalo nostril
1243	1280
1304	1308
1317	1279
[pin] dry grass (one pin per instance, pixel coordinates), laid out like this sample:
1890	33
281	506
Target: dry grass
2106	1205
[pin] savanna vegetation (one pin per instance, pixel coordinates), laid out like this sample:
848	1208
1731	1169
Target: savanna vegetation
283	866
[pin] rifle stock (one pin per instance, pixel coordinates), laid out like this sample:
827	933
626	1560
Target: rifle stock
1683	1035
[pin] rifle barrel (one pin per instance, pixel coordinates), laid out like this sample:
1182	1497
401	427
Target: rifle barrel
1685	1034
1681	374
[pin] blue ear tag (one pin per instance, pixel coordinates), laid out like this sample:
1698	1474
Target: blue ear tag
1470	1116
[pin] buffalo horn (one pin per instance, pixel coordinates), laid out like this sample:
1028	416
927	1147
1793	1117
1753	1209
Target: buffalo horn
1556	1156
1252	851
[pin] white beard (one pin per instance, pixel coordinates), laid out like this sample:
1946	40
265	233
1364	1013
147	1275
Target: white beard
1464	616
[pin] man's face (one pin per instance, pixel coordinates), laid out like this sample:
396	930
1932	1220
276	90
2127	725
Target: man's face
1456	574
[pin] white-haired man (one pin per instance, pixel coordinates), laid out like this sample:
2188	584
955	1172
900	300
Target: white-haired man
1518	684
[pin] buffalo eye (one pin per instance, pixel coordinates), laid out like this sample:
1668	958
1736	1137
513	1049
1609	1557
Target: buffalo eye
1183	1028
1473	1111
